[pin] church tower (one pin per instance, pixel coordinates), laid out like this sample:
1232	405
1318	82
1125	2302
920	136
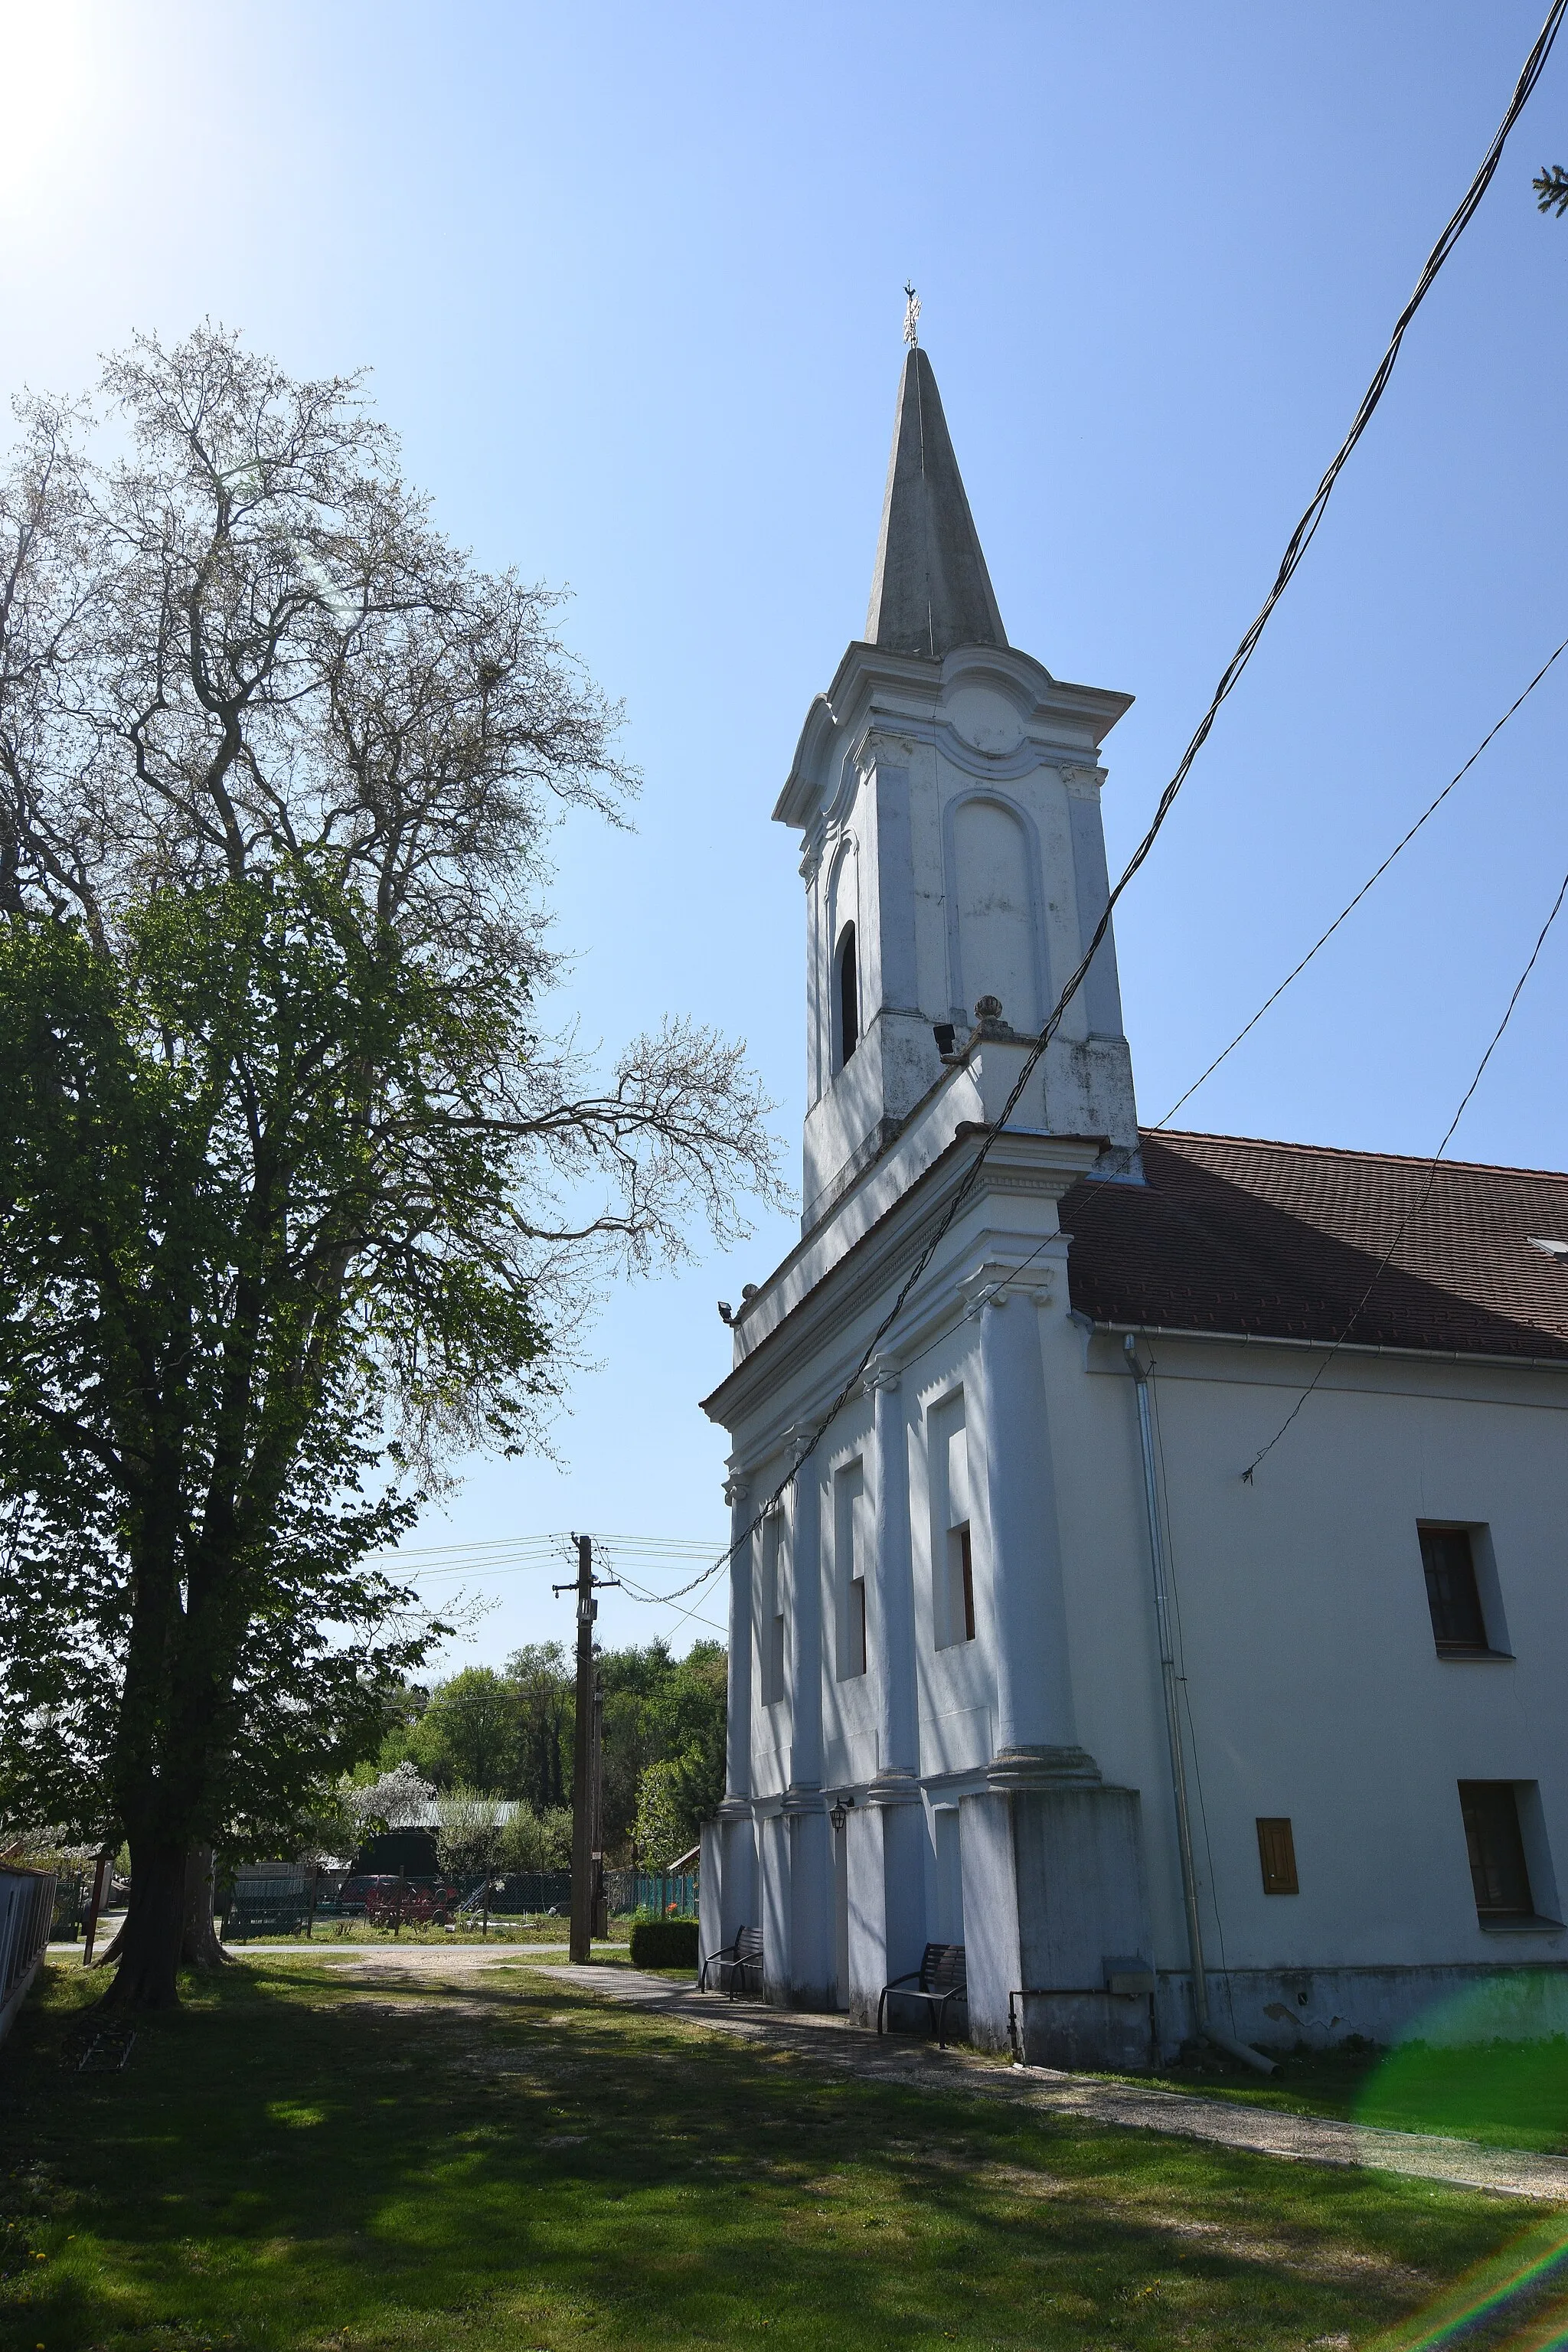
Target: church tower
948	790
904	1748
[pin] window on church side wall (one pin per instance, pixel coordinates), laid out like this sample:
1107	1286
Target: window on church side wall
1499	1872
1277	1854
848	996
1453	1594
961	1567
772	1629
849	1554
953	1549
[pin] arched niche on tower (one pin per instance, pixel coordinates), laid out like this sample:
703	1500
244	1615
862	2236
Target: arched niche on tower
996	919
844	973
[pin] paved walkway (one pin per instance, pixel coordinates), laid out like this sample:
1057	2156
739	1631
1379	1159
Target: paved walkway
1266	2131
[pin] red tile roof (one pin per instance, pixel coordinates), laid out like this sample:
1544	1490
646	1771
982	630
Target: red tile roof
1285	1240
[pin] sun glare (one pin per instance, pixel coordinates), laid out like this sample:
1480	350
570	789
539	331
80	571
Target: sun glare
46	71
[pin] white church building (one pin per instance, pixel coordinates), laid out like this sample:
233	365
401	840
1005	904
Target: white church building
1020	1660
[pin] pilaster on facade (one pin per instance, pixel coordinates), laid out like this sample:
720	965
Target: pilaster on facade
739	1675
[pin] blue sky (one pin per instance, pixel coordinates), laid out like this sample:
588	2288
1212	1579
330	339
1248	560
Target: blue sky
630	283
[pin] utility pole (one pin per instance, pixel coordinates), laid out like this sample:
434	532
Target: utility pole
587	1836
600	1916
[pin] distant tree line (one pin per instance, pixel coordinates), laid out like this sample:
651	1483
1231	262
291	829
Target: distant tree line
507	1732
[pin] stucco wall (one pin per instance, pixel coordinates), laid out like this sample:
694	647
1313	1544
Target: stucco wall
1312	1678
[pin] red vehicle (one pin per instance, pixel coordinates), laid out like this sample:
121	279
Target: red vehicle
394	1902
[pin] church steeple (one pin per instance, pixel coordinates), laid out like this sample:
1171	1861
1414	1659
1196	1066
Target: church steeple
947	788
931	591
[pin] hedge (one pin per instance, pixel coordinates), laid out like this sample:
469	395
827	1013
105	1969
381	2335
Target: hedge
664	1944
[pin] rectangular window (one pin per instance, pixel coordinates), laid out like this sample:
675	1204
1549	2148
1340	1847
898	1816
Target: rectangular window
1453	1595
849	1550
1277	1852
772	1641
948	1920
964	1586
952	1548
1497	1870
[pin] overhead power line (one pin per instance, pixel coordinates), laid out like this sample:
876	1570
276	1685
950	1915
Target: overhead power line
516	1555
485	1545
1430	811
1295	548
520	1555
1417	1207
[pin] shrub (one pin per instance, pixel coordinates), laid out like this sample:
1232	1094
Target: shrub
664	1944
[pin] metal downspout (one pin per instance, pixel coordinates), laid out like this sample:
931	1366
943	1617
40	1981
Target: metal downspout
1208	2030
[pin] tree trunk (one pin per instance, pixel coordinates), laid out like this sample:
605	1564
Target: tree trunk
148	1945
199	1945
107	1955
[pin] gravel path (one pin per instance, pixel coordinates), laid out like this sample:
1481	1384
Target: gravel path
834	2040
1315	2139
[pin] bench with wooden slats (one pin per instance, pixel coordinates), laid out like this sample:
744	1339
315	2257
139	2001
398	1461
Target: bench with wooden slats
940	1981
737	1967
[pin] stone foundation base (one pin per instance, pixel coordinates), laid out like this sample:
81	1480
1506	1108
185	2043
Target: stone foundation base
1054	1905
1282	2009
1097	2030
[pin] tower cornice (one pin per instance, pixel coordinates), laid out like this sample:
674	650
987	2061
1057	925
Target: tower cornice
905	694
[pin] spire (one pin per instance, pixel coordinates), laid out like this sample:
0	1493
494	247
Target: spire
931	590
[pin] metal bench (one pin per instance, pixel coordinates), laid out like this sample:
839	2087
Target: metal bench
939	1980
737	1962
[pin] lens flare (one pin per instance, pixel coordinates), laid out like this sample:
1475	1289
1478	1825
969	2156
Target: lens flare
1509	2282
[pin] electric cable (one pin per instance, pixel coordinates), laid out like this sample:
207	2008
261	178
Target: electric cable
522	1554
1418	1208
1300	540
485	1556
1094	1180
1430	811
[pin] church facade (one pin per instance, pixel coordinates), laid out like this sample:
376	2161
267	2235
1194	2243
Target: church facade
1021	1659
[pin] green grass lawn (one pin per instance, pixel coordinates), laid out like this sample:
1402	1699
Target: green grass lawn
495	2161
1501	2094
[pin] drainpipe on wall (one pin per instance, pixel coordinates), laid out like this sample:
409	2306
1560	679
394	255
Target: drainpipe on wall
1208	2030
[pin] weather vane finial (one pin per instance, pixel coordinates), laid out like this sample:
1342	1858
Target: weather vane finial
911	315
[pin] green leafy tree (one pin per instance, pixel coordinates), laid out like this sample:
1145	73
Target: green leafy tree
537	1838
1551	185
507	1732
296	1193
665	1713
545	1684
467	1832
659	1823
468	1735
